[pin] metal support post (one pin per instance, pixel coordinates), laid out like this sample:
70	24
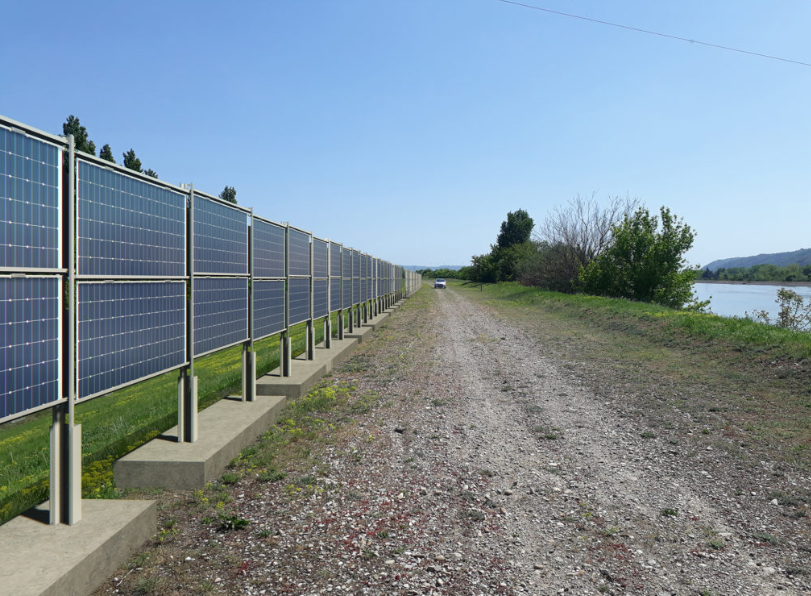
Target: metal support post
328	332
286	354
310	340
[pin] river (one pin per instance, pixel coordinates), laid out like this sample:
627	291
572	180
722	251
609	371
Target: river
734	300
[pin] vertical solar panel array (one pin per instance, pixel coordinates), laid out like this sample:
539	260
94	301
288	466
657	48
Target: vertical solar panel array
220	313
128	227
320	298
320	259
220	238
364	285
334	276
299	252
298	290
30	183
128	331
268	307
268	250
346	280
320	278
355	277
30	309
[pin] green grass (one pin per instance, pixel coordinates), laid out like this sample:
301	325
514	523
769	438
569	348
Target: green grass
117	423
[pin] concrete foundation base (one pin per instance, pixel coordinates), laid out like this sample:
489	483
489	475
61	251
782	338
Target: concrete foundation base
225	429
306	373
40	559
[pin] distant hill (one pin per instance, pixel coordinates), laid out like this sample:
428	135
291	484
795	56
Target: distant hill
781	259
418	267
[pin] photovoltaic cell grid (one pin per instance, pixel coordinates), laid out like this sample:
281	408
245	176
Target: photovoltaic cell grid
220	313
268	308
128	331
29	202
320	258
29	343
220	238
346	259
334	294
299	257
298	290
320	298
334	259
268	249
364	284
129	227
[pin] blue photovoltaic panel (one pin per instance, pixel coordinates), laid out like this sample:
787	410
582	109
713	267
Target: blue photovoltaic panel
268	308
298	289
29	343
346	290
220	238
128	331
364	283
268	249
334	259
320	258
220	313
129	227
299	257
355	264
29	202
355	291
334	294
375	278
320	298
346	262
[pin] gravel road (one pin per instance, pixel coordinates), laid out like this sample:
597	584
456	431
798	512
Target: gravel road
490	467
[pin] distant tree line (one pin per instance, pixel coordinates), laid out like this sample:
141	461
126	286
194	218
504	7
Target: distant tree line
443	273
619	249
793	272
82	142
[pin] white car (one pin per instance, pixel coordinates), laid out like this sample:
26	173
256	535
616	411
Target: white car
439	283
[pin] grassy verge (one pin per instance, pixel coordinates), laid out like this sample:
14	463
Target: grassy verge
742	383
115	424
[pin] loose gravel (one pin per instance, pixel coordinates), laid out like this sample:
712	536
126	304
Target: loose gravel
485	465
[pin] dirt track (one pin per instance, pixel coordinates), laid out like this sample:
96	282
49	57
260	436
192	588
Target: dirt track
489	467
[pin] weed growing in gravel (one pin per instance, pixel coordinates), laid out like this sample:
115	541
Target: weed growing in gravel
648	435
667	512
767	538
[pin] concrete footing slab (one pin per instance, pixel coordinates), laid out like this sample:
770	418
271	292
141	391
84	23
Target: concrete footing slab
39	559
306	373
225	429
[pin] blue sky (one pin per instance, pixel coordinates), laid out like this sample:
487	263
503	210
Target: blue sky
409	128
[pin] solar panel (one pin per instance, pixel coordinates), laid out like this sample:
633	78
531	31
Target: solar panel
268	308
268	249
220	238
320	298
127	226
30	178
355	291
364	286
298	289
299	257
334	259
220	313
334	294
320	258
29	343
128	331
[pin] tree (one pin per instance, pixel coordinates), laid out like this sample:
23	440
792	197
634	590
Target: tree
229	193
107	153
151	173
571	237
516	230
72	126
645	263
132	162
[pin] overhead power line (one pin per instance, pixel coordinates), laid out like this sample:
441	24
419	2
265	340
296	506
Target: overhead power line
649	32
